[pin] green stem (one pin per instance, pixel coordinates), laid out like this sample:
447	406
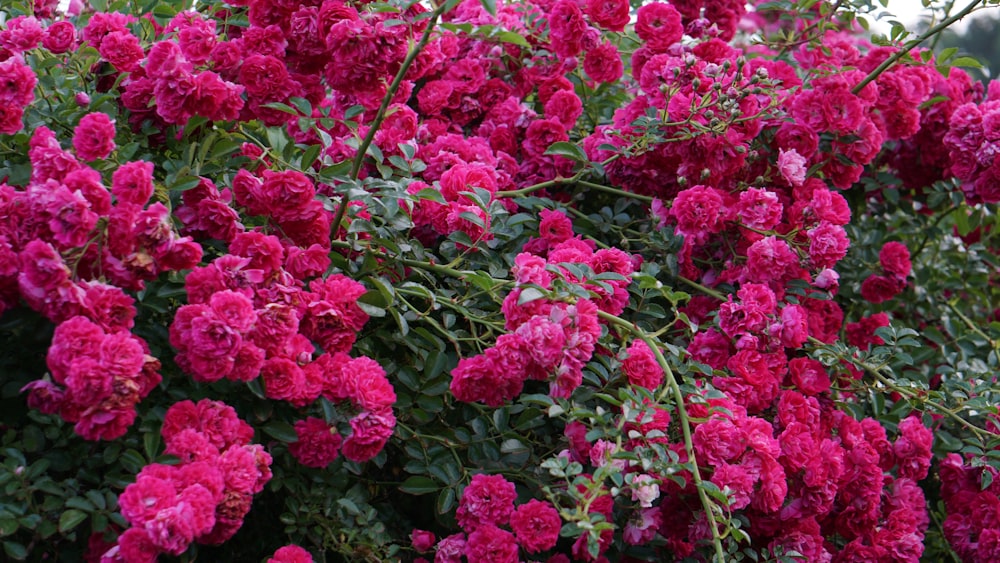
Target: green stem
540	186
615	191
902	52
574	180
706	290
876	372
930	229
675	388
994	344
390	93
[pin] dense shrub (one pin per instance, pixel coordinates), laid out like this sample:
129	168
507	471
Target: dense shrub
549	281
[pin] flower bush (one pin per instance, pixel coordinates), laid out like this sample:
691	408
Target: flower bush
331	280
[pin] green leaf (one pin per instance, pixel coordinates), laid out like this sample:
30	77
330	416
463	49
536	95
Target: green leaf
568	150
185	183
371	310
281	107
528	295
419	485
281	431
490	6
80	503
302	104
71	519
15	550
7	526
354	111
446	501
513	38
309	156
967	62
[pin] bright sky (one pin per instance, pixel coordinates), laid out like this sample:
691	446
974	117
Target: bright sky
908	12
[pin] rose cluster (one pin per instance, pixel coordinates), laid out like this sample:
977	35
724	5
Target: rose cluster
971	142
205	497
17	91
971	495
894	259
99	375
548	340
249	316
485	509
70	248
361	383
813	474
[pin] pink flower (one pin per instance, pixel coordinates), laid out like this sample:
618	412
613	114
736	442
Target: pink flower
645	490
612	15
536	525
291	554
450	549
10	119
422	540
132	182
369	433
367	385
318	443
770	259
94	137
17	83
895	259
22	33
808	376
759	209
603	63
827	279
862	333
913	448
566	28
542	133
793	328
123	50
699	210
641	367
332	316
60	37
215	419
827	245
878	289
565	106
489	544
475	379
488	499
792	166
659	25
284	380
602	454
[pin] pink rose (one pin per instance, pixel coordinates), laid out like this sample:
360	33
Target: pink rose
60	37
318	443
659	25
94	137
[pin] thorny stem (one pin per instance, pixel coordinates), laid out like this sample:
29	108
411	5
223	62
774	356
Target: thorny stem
575	180
876	372
654	345
804	36
390	93
905	49
929	230
706	290
972	326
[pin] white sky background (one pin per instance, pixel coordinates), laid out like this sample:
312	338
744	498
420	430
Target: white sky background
908	13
